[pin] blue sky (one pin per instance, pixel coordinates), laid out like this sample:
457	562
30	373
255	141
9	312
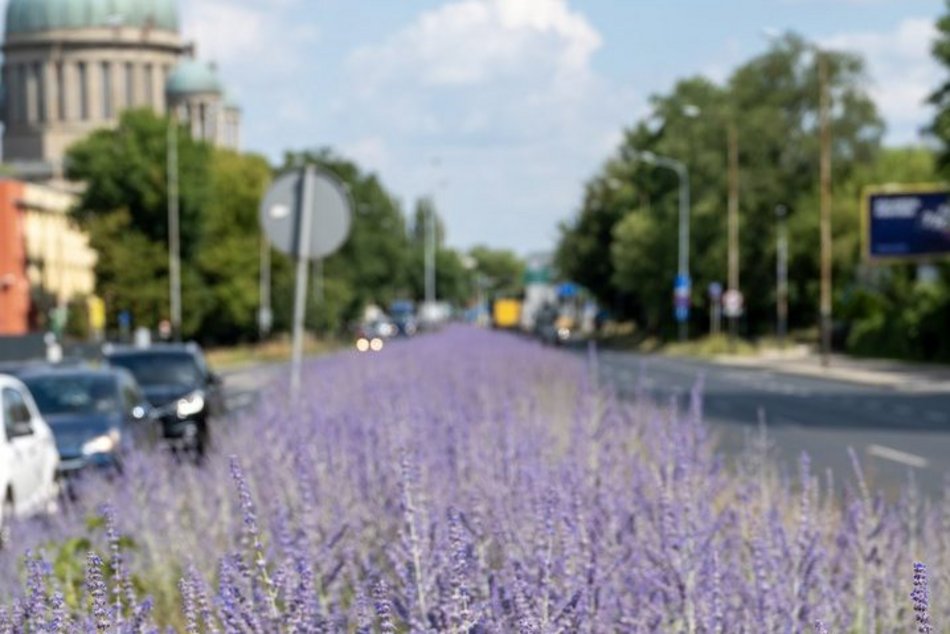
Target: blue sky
503	108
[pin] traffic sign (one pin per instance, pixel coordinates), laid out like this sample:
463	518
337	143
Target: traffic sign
733	303
715	290
906	221
682	289
329	207
306	214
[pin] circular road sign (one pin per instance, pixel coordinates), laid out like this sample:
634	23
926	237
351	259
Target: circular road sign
330	209
733	303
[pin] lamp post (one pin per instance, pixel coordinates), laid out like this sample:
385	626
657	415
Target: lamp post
781	275
174	238
732	212
682	268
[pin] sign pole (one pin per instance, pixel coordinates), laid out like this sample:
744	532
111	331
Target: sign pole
300	293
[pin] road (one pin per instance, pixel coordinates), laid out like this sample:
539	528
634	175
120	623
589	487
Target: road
893	431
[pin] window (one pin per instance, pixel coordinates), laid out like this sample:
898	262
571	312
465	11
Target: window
149	86
60	93
21	93
107	110
15	411
129	85
83	74
39	80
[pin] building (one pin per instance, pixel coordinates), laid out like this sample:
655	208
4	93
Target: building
45	261
71	67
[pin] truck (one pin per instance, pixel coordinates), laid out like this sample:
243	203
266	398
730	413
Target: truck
506	314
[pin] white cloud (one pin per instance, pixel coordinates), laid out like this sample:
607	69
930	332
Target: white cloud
474	41
258	36
504	92
902	71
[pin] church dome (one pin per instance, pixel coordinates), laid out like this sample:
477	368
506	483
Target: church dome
192	77
34	16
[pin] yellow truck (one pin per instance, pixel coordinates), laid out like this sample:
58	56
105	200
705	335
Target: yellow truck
506	314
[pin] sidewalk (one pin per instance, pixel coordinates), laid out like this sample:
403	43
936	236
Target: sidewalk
899	375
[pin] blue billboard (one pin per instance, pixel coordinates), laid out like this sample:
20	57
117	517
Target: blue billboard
911	222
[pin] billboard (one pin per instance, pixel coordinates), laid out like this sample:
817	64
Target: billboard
906	222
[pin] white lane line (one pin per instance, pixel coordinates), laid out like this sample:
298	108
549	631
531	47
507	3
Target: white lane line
895	455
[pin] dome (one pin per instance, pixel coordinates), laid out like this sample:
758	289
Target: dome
191	77
33	16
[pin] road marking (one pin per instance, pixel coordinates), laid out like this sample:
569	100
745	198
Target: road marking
895	455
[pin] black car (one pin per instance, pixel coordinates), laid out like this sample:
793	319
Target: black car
97	415
178	384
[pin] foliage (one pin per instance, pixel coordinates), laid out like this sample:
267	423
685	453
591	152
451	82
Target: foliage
772	101
501	270
474	482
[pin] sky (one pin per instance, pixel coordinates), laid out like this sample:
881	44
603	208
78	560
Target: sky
502	109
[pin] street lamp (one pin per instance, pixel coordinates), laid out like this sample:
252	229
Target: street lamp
174	241
732	141
683	254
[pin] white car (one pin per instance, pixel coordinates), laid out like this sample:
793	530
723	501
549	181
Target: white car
28	455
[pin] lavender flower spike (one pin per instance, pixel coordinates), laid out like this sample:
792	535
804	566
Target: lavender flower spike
921	599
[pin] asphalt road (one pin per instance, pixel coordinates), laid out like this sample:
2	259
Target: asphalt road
892	431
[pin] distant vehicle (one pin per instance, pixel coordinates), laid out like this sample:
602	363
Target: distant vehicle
371	336
403	315
181	388
28	456
97	415
506	314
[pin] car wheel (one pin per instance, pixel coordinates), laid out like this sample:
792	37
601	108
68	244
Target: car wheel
6	517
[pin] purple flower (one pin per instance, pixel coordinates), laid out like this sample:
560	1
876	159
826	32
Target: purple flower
921	599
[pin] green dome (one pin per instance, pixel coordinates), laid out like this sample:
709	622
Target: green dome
192	76
33	16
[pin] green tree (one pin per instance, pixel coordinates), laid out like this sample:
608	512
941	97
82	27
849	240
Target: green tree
229	258
503	269
940	98
772	101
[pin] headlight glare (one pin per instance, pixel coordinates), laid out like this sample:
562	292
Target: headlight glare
190	405
106	443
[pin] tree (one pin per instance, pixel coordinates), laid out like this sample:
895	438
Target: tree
502	268
124	208
940	98
772	101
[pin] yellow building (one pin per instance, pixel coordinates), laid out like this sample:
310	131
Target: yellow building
58	257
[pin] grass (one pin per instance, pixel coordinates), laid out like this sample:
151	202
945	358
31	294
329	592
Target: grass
272	351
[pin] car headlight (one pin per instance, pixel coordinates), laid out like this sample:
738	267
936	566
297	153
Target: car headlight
362	344
190	405
102	444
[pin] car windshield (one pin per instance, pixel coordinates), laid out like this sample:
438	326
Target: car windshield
160	369
74	394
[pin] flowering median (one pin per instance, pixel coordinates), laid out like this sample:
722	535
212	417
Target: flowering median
475	482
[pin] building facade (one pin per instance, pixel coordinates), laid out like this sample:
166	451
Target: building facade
71	67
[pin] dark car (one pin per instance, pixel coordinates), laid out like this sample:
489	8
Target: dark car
178	384
97	415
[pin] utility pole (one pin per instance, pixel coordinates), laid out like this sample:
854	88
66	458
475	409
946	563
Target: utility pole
430	255
826	244
174	245
683	266
781	276
733	221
